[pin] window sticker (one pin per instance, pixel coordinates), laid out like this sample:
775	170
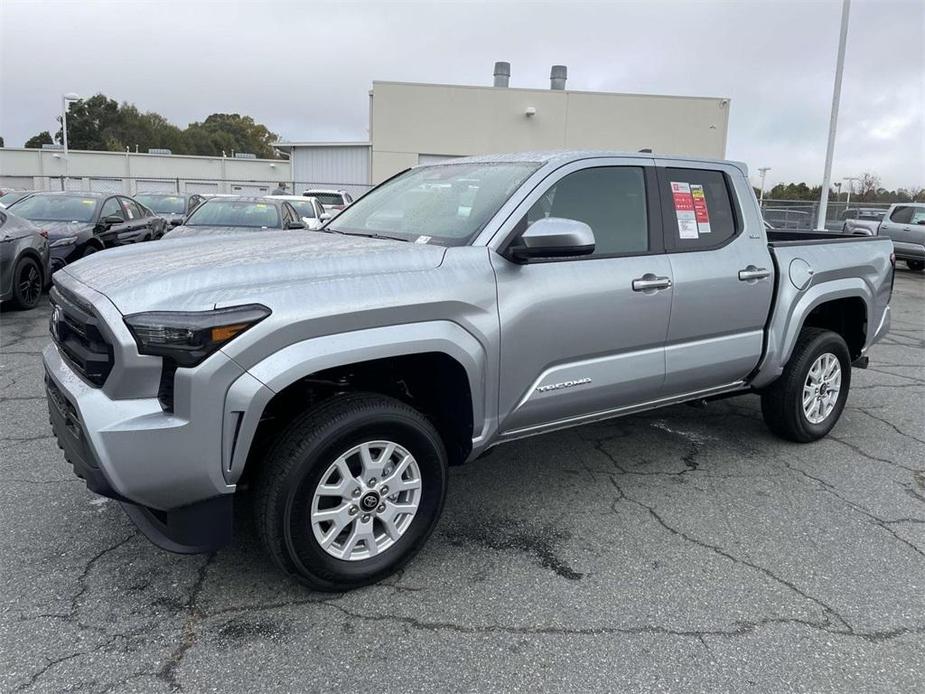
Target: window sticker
700	209
684	210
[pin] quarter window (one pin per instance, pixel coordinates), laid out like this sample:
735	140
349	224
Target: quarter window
611	200
698	210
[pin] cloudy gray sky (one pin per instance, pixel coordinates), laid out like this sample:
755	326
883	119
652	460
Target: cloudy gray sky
304	68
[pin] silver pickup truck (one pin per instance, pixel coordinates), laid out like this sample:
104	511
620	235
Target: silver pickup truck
336	374
904	225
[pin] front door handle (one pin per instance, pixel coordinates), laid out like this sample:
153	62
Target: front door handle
754	273
649	282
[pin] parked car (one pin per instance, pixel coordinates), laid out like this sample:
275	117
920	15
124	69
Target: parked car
311	212
235	215
786	218
24	270
11	196
171	207
79	224
904	224
338	374
333	200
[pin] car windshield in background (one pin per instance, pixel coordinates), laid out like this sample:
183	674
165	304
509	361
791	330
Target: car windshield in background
235	213
446	204
163	204
56	208
11	197
871	214
304	208
329	198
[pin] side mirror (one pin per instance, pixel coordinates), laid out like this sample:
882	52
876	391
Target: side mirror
111	220
177	222
554	237
326	217
295	225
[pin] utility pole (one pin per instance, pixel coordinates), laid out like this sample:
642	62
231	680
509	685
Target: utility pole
833	121
70	96
851	180
764	172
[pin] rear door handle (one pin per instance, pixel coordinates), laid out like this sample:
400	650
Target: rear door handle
649	282
754	273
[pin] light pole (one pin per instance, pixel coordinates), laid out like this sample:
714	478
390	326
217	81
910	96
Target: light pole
851	180
70	96
764	172
833	120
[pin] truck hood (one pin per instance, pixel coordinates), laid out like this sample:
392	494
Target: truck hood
198	273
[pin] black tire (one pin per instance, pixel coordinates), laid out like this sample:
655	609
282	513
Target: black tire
915	265
27	284
782	401
90	249
293	467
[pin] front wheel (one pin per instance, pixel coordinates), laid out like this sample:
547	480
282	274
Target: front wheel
351	491
27	284
916	265
806	401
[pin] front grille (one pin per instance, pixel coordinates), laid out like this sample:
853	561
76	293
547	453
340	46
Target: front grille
75	328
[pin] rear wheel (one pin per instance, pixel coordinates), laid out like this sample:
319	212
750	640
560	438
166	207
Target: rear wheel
806	401
27	283
351	491
916	265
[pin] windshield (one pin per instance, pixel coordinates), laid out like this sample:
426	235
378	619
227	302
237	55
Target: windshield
304	208
56	208
327	198
235	213
447	204
164	204
12	197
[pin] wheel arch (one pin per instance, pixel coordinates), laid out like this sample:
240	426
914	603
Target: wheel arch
436	366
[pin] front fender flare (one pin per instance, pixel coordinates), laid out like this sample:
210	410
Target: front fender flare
249	395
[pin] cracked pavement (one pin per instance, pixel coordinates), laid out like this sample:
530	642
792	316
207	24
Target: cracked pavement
682	549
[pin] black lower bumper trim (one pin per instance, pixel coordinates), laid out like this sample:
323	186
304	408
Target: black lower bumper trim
201	527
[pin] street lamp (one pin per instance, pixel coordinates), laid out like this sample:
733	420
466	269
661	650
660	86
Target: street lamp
833	118
70	96
851	180
764	172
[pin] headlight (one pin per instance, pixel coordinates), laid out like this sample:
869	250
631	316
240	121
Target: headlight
188	337
66	241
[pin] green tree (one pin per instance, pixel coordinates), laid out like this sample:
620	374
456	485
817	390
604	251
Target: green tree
36	141
230	132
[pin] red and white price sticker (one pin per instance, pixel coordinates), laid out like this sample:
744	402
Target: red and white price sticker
684	210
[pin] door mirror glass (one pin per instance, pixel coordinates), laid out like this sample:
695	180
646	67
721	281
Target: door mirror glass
554	237
111	220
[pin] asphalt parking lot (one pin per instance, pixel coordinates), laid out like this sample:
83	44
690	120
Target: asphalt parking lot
685	549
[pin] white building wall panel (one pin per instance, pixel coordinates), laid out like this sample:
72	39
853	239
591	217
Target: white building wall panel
331	165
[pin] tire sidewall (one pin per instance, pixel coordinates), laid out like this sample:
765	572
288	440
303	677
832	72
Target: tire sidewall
301	546
826	343
21	265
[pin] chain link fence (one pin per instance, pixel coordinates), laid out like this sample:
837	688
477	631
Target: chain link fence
802	214
134	185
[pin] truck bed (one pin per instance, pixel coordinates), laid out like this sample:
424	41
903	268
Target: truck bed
802	237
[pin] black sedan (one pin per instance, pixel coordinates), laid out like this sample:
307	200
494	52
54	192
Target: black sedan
79	224
232	215
24	255
172	207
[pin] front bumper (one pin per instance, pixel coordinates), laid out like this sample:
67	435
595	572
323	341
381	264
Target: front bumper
203	526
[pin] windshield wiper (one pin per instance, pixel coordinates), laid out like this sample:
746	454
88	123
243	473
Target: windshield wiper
372	235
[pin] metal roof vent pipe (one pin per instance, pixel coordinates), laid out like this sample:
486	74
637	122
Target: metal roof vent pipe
557	77
502	74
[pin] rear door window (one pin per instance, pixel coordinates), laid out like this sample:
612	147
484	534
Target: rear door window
698	209
902	215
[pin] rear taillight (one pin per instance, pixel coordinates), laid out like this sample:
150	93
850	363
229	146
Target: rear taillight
893	259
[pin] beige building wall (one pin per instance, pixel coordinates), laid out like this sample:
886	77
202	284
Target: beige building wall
409	120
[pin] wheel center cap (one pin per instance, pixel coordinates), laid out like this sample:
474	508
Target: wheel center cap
369	501
823	389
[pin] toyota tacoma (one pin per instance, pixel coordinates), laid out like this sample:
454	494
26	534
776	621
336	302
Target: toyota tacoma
335	375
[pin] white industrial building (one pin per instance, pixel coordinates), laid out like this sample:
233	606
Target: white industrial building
409	124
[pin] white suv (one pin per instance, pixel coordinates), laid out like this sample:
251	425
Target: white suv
333	200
